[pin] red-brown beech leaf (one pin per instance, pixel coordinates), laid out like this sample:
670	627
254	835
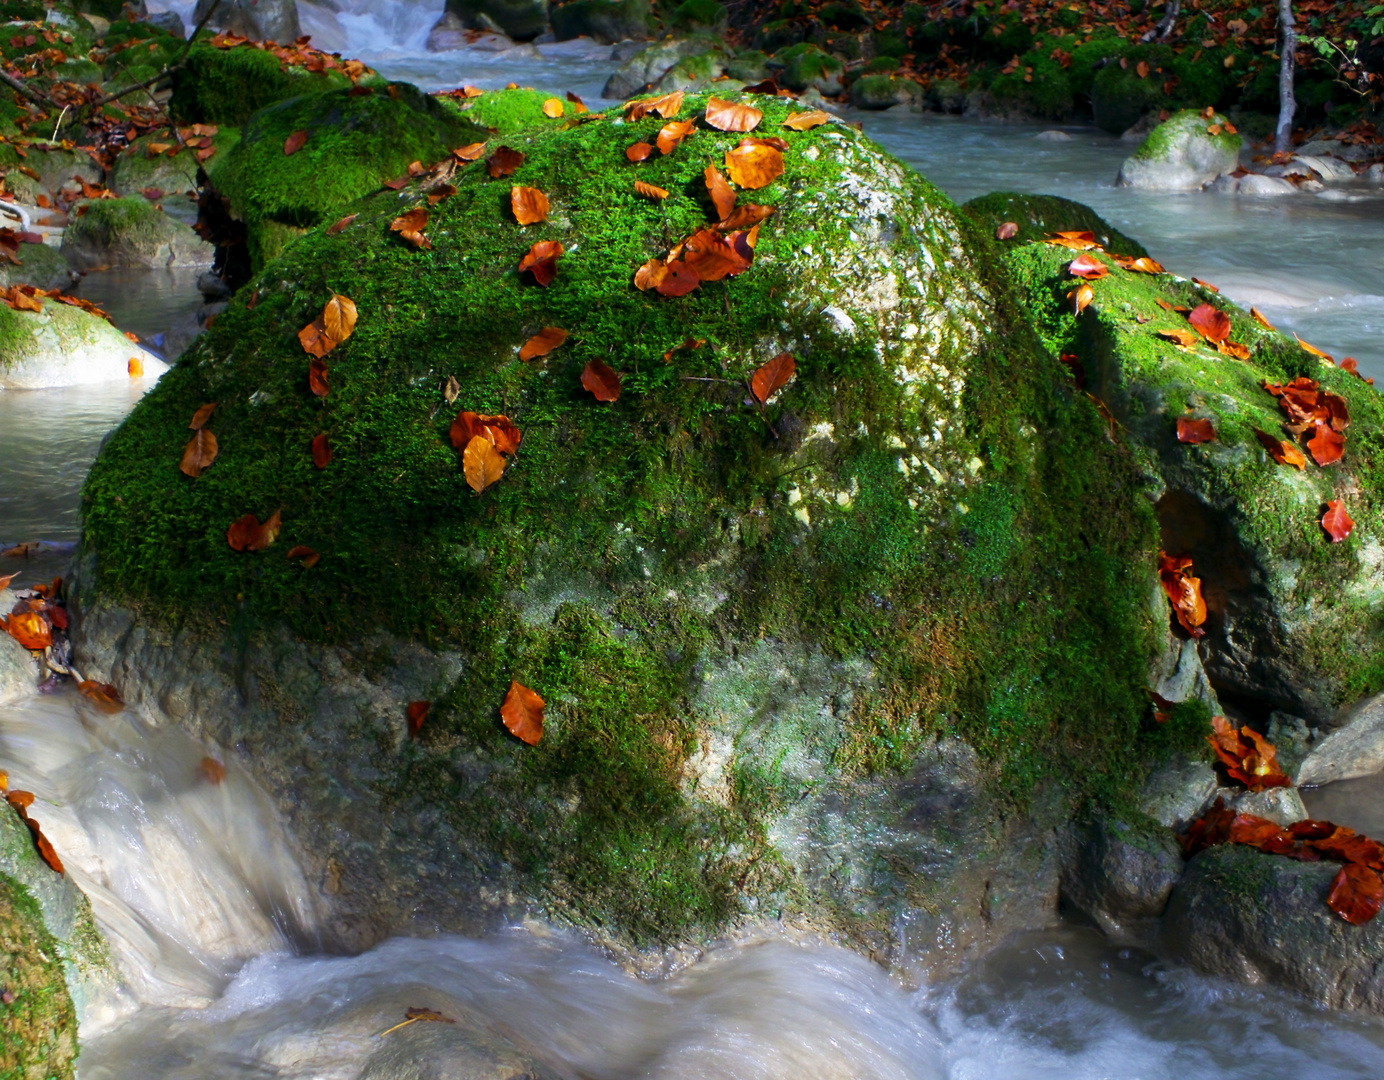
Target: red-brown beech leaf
678	279
543	342
340	225
1087	266
1336	521
1356	894
754	164
671	134
306	556
1191	430
212	771
712	256
601	380
247	534
1184	592
503	162
321	451
201	416
639	151
1284	453
522	713
772	376
294	142
1211	323
1326	447
1007	231
103	695
482	463
29	629
317	377
417	712
500	430
666	106
45	849
541	261
199	453
529	204
730	116
410	226
722	197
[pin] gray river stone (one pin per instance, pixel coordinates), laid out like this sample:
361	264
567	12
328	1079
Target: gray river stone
259	20
18	672
64	346
1177	792
650	64
1356	749
1180	155
1262	918
1120	874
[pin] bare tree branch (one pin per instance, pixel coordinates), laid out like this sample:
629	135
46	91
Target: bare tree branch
1287	103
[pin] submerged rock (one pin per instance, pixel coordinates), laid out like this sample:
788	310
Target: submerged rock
1181	154
130	232
64	346
789	649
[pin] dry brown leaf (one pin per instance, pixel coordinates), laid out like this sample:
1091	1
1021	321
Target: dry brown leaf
804	120
553	108
248	534
745	216
541	261
542	343
306	556
199	453
672	134
522	713
317	377
730	116
321	451
1081	297
482	463
295	142
666	106
649	191
722	197
601	380
639	151
770	377
212	770
410	226
201	416
1259	318
754	165
503	162
469	152
103	695
529	204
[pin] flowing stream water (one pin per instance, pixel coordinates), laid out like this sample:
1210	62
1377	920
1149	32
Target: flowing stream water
212	923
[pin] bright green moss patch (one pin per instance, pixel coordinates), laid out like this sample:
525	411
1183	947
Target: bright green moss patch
226	86
1038	216
38	1029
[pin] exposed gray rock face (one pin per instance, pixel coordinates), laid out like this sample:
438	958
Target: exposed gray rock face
649	65
1181	155
1120	875
259	20
1356	749
131	232
1177	793
1254	917
522	20
64	346
18	672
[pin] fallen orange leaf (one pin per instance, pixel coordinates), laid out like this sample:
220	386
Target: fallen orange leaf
1076	241
649	191
639	151
1141	265
601	380
745	216
1314	350
45	849
1184	592
1081	297
1336	521
522	713
1326	447
712	256
1284	453
542	343
247	534
201	416
321	451
529	205
1259	318
212	770
804	120
730	116
553	108
103	695
672	134
1186	338
1088	267
338	226
29	629
317	377
499	430
754	165
722	197
482	463
666	106
469	152
1357	893
199	453
541	261
410	226
1194	430
503	162
772	376
294	142
1211	323
135	367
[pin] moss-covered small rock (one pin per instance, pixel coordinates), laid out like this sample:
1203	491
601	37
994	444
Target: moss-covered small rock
226	86
884	92
133	232
64	346
1185	152
806	67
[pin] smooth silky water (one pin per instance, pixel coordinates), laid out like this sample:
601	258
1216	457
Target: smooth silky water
214	927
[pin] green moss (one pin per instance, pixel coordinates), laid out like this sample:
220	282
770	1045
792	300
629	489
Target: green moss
38	1029
1160	141
631	548
355	143
1039	88
130	220
508	111
226	86
700	14
1038	216
806	66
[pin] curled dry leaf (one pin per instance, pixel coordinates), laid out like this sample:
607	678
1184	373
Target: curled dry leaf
1314	350
321	451
1326	447
317	377
20	800
722	197
672	134
753	165
1232	349
542	343
1075	368
1284	453
541	261
687	343
469	152
1088	267
305	556
1184	592
451	389
1211	323
553	108
247	534
482	463
522	713
1076	241
601	380
1336	521
1357	893
730	116
745	217
529	205
500	430
212	771
1143	265
5	579
772	376
666	106
439	192
1188	339
639	151
339	318
503	162
1205	285
416	713
804	120
45	849
1194	430
410	226
338	226
1247	756
295	142
649	191
201	416
712	256
315	339
1007	231
580	105
103	695
199	453
1081	297
1259	318
29	629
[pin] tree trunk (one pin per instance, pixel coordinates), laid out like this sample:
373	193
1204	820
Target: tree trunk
1166	24
1287	103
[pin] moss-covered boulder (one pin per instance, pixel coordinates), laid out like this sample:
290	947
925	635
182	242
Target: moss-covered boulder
1295	622
605	21
227	86
137	169
1185	152
133	232
791	650
64	346
807	67
884	92
355	143
694	71
642	70
42	265
1039	216
522	20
